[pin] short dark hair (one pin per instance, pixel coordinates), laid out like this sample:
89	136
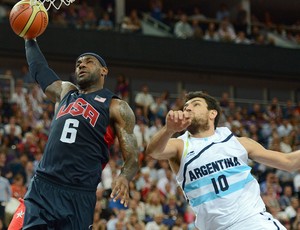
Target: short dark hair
212	103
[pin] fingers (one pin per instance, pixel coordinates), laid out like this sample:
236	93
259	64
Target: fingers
120	191
178	116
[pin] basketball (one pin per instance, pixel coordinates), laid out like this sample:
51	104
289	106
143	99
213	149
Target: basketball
28	20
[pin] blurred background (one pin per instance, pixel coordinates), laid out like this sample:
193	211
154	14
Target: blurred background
243	52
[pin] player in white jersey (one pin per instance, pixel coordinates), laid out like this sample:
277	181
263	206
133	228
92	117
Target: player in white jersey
210	165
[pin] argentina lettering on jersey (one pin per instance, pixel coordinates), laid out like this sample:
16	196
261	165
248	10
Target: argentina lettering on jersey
212	167
215	178
79	139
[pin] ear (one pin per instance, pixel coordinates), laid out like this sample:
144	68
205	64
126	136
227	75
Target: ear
213	113
103	71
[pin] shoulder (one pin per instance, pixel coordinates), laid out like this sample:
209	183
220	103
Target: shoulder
250	145
120	109
66	87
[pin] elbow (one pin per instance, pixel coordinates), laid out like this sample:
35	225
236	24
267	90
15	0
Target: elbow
149	152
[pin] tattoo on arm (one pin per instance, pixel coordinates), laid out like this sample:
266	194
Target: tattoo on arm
127	140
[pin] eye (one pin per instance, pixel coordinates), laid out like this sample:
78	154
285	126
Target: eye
77	64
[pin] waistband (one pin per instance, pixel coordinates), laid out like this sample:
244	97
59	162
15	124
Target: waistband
54	182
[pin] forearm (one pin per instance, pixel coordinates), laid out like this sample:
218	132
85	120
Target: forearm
159	142
131	165
130	168
38	65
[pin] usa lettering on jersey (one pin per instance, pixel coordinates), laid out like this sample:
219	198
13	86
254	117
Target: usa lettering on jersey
80	107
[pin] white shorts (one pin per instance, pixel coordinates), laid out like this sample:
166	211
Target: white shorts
260	221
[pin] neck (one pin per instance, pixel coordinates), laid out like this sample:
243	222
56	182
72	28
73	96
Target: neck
89	89
203	134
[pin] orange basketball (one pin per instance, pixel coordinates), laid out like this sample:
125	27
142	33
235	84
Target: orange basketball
28	19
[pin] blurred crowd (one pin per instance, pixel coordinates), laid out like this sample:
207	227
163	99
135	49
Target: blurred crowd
156	200
231	23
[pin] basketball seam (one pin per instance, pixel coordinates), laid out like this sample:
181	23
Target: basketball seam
30	21
18	15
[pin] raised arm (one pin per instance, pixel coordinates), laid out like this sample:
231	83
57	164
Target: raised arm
123	121
162	146
48	80
285	161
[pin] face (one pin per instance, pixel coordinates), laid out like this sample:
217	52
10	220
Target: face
88	71
197	108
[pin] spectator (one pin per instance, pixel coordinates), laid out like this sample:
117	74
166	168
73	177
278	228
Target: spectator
151	169
90	20
285	198
72	16
134	223
241	38
144	99
141	131
170	20
222	12
156	223
5	195
168	179
28	145
226	31
211	33
284	128
122	88
182	28
158	109
240	21
131	23
271	181
141	207
105	23
153	205
285	144
271	200
197	14
291	210
197	30
116	220
156	125
18	187
171	210
156	7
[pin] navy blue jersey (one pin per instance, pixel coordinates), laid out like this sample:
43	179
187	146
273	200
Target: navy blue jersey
77	147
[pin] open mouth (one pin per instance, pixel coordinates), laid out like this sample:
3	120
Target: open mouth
80	74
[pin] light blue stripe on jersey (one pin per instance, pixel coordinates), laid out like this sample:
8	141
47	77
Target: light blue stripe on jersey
212	195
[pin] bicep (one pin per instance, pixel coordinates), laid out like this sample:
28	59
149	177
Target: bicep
123	121
173	150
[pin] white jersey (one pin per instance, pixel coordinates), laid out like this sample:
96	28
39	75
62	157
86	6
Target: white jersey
217	181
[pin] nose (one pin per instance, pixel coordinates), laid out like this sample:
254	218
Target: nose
188	108
82	64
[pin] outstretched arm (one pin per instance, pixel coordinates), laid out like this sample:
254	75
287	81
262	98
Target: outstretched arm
48	80
285	161
123	122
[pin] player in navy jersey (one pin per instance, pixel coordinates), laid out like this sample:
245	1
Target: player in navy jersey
62	194
211	166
